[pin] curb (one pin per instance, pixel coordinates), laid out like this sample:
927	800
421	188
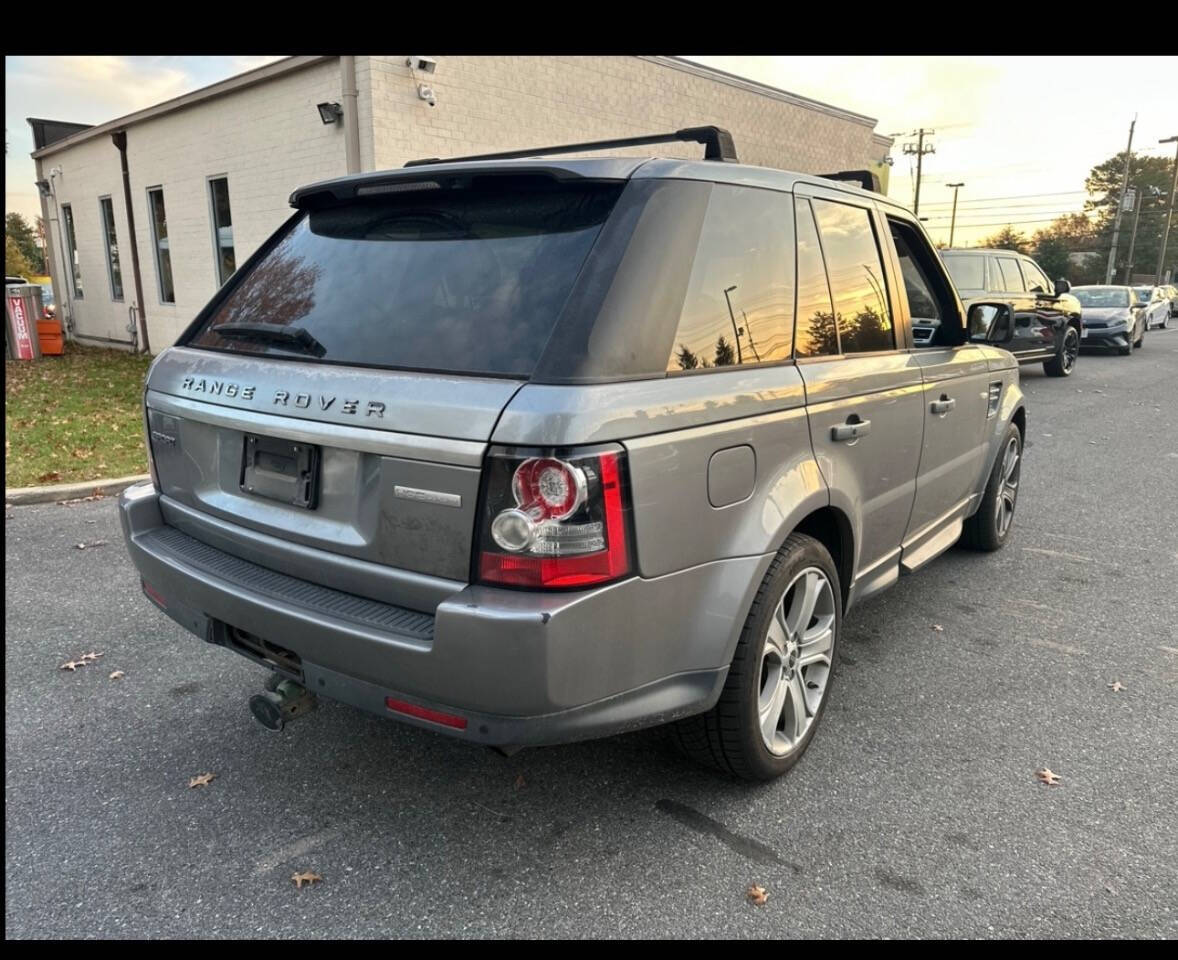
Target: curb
57	492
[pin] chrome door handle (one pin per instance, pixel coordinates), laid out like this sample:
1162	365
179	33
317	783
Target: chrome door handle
942	406
851	430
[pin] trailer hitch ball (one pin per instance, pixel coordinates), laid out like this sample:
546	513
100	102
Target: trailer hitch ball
287	700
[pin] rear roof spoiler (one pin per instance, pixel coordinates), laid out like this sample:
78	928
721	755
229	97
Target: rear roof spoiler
863	178
716	140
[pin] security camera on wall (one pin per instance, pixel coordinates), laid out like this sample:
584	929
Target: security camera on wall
424	64
426	93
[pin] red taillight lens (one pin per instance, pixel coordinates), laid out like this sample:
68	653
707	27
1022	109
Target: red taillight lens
554	521
425	713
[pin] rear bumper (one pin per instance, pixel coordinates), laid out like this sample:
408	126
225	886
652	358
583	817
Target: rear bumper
518	667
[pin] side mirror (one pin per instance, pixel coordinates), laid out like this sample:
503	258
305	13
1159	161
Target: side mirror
1062	287
991	323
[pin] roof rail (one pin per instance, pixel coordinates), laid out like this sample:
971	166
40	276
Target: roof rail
864	178
717	140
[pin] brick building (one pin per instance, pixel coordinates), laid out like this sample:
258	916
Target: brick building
208	174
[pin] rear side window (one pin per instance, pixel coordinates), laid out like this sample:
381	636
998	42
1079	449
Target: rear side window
469	278
966	271
856	277
739	303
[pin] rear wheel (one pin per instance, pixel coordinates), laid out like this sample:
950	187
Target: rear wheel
1064	362
777	685
989	528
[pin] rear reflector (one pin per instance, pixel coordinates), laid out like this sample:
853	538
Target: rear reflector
154	595
424	713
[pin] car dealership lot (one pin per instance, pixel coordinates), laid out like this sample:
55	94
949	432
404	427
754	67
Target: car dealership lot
915	812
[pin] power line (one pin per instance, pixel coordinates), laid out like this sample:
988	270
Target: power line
1020	196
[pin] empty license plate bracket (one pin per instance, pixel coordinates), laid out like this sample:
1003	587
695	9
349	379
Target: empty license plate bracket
282	470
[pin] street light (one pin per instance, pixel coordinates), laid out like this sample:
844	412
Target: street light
953	221
735	332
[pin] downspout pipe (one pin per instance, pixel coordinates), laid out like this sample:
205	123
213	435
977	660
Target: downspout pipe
351	114
119	138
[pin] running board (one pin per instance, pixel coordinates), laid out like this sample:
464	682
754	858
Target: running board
916	555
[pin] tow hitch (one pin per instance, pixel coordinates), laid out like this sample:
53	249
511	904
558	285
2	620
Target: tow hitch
283	700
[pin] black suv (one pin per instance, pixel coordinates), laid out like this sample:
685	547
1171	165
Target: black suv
1047	317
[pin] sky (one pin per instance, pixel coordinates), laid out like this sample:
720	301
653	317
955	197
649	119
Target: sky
1020	133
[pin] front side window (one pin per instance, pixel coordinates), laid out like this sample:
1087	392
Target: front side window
67	214
857	282
222	228
1008	273
739	303
930	298
1036	282
817	334
163	252
114	272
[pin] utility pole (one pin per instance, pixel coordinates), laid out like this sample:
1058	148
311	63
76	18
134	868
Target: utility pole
953	221
1112	253
1169	212
919	149
1133	237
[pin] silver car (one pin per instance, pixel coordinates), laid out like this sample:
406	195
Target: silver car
534	450
1156	306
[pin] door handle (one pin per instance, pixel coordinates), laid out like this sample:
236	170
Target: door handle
942	406
853	429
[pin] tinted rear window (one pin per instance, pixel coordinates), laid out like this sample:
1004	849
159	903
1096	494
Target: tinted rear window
469	279
966	272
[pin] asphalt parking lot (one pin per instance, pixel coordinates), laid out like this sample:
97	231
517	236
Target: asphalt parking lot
916	811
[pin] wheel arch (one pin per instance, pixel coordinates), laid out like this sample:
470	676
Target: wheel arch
832	528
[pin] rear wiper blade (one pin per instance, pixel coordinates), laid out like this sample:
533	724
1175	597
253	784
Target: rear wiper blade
276	333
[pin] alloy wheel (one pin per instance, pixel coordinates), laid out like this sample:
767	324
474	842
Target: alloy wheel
1008	491
1071	350
795	661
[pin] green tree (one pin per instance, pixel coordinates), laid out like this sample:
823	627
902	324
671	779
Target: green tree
685	358
25	237
1008	239
725	355
15	263
1151	178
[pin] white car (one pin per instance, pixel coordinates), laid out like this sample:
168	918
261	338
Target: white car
1157	306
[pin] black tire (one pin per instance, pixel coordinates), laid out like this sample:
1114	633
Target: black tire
982	530
728	737
1064	361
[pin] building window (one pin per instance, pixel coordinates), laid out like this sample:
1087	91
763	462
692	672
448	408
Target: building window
112	248
71	240
163	254
222	228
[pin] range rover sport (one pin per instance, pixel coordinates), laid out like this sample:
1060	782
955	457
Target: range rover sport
527	450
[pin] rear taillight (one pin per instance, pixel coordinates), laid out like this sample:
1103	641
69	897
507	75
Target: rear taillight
554	519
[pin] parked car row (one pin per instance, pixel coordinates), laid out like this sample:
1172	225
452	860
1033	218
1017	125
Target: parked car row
1053	319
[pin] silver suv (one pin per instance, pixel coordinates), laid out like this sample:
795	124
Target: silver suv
534	450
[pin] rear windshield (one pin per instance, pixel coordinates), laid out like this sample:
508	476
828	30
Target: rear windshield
467	278
1102	296
966	271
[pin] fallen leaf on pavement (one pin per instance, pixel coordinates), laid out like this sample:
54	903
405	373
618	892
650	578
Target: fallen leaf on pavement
306	877
757	895
91	656
938	628
51	477
92	544
72	665
1116	686
117	675
520	782
202	781
1047	777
